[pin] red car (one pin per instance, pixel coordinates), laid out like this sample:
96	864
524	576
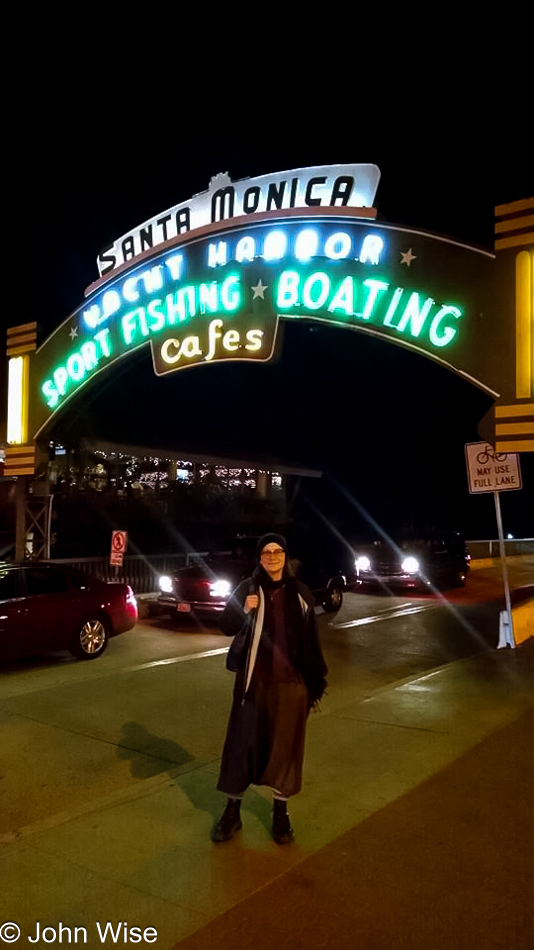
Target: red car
45	607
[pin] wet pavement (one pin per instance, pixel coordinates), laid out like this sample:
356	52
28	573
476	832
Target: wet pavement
414	829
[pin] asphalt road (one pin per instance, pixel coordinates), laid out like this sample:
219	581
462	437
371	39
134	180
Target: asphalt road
73	734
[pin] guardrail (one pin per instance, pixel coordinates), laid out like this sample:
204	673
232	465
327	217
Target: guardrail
512	547
141	572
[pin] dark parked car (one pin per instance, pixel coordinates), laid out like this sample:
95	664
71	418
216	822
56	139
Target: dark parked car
413	561
46	607
204	587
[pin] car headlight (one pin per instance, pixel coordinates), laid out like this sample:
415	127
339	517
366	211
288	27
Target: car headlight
363	563
410	565
165	584
220	589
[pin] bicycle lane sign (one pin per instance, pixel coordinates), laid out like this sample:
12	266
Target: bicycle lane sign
488	470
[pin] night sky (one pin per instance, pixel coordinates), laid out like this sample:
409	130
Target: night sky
386	427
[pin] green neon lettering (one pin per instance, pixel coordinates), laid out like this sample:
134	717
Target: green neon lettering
375	288
414	316
156	316
230	293
208	297
76	367
60	379
442	337
315	299
343	298
129	326
103	339
395	300
89	355
288	289
51	394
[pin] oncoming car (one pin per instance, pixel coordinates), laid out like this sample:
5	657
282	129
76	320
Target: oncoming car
413	562
203	589
46	608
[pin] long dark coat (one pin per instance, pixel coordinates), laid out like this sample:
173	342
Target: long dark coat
265	737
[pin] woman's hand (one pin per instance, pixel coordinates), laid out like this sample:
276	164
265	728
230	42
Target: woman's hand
251	603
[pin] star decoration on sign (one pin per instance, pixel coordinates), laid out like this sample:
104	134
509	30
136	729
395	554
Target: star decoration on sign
73	333
259	290
408	257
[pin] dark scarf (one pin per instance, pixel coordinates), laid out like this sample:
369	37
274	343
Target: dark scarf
296	628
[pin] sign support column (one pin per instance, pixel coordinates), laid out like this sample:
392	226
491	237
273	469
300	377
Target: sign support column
488	470
506	624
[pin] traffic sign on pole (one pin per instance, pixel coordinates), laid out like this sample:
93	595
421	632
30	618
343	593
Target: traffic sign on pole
119	543
488	470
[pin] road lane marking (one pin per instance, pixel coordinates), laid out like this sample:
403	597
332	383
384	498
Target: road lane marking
389	614
174	659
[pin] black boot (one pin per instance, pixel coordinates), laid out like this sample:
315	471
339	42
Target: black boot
229	822
282	831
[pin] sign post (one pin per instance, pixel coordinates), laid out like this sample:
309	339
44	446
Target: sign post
119	543
487	471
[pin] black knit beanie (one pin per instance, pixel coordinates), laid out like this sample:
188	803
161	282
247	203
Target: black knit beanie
271	539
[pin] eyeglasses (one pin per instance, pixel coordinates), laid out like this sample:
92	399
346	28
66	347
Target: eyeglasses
278	552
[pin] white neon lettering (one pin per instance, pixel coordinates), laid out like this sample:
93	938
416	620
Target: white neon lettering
338	246
275	246
306	244
214	334
129	290
231	340
175	264
91	317
111	302
371	249
217	254
245	250
166	356
254	338
152	279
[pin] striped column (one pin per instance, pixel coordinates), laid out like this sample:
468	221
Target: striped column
20	454
514	423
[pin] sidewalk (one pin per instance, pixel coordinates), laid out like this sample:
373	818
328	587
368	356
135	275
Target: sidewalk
414	829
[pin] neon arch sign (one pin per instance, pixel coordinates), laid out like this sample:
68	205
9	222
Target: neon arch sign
219	294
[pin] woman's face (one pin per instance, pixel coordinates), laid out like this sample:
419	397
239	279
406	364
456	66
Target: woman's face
272	559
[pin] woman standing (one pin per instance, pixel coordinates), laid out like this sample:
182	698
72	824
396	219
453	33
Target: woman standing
280	675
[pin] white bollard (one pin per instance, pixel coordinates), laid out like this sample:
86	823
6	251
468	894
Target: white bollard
506	637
